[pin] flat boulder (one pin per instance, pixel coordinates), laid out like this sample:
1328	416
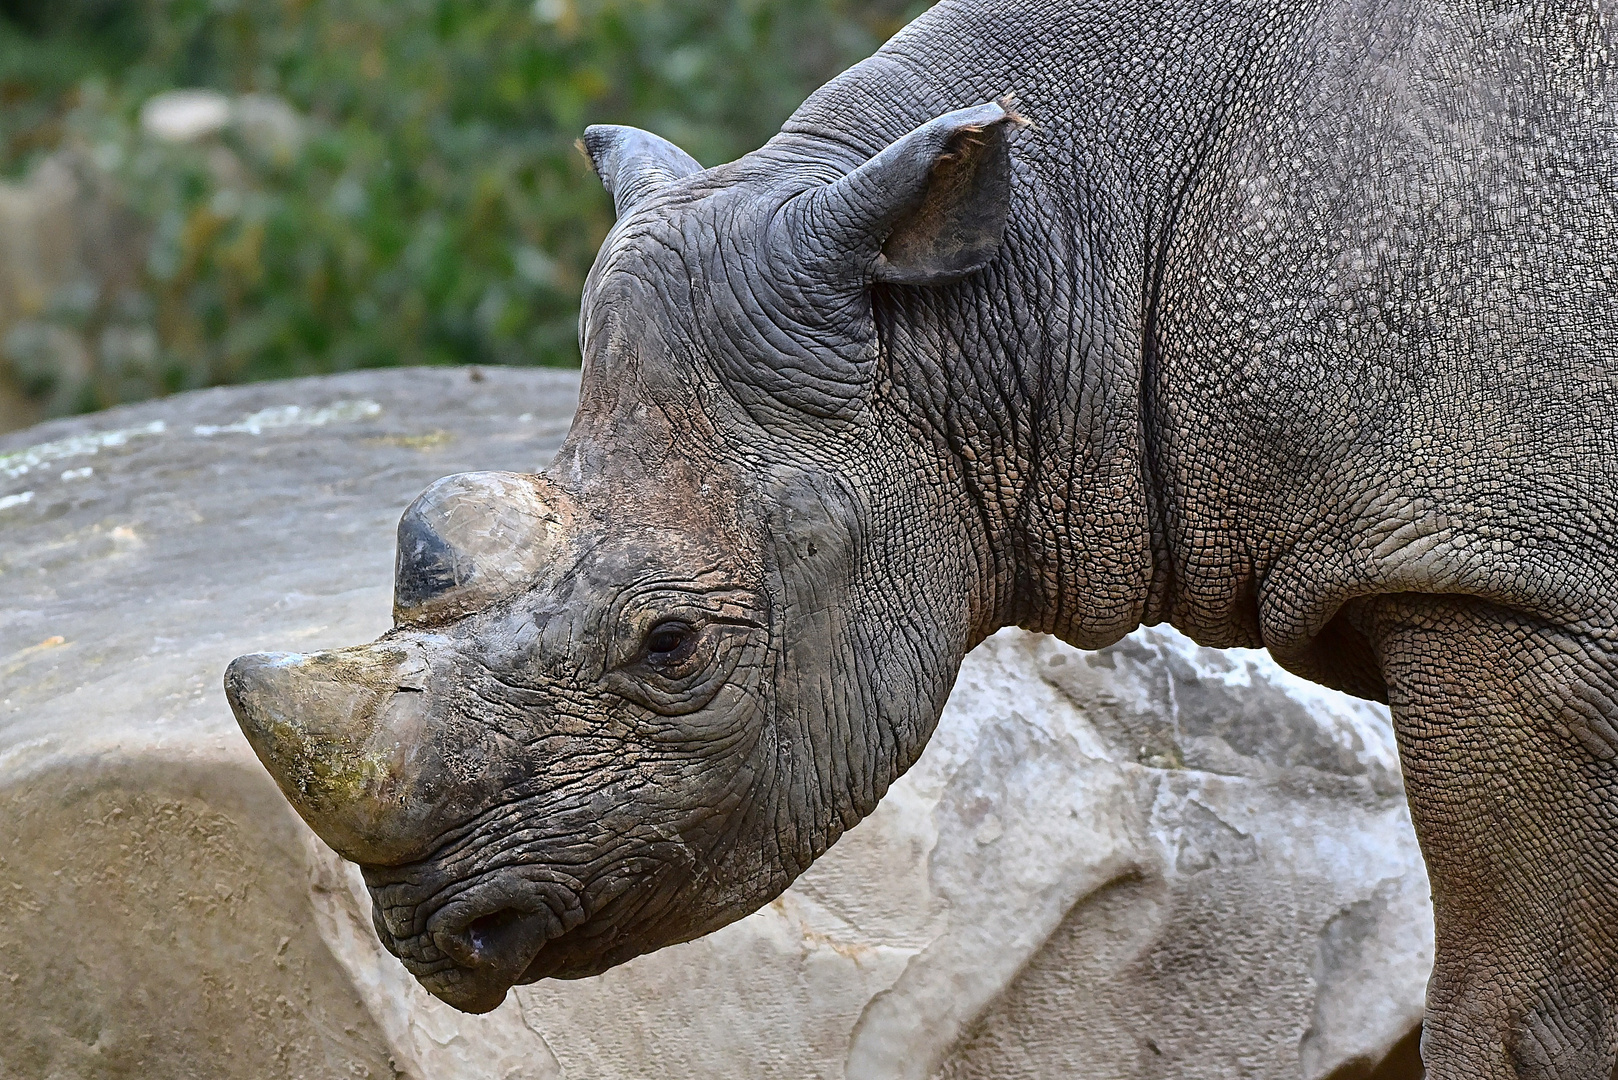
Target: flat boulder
1155	860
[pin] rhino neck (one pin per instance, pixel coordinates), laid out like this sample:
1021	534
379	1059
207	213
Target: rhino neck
1042	373
1026	377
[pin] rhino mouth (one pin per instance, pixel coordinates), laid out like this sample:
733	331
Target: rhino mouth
476	977
469	944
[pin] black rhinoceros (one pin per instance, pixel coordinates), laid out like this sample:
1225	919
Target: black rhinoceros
1292	324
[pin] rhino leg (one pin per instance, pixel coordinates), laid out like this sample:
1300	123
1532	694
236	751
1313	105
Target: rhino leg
1508	735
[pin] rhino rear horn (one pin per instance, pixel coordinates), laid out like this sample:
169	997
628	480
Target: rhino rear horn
472	538
634	164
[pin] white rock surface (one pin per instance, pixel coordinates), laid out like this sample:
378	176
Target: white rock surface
266	122
1152	861
182	116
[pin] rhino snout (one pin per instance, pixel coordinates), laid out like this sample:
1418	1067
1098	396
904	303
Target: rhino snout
345	734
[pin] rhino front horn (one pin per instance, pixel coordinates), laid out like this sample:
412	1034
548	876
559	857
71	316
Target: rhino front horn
346	736
472	538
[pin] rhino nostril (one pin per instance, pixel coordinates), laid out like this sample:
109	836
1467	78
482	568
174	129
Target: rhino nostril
486	933
490	940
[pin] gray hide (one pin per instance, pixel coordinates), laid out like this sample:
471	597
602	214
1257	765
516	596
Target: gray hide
1290	324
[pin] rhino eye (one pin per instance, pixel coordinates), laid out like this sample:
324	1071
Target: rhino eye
667	641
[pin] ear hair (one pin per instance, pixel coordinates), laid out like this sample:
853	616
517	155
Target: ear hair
632	163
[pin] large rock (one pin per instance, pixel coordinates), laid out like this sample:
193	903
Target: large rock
1151	861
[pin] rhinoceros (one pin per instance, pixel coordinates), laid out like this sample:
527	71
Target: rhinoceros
1293	325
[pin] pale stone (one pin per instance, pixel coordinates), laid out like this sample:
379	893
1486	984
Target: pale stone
266	122
1152	861
269	124
182	116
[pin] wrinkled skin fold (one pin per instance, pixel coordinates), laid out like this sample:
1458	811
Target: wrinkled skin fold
1290	325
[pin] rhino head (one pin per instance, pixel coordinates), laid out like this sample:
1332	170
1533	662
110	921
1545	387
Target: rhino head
626	702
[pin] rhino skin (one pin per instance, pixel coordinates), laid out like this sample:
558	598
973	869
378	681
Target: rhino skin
1292	325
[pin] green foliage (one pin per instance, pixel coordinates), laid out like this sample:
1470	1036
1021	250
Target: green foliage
420	202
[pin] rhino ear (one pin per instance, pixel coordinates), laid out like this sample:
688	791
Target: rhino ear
932	207
633	163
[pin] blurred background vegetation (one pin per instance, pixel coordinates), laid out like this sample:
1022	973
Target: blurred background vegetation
211	191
